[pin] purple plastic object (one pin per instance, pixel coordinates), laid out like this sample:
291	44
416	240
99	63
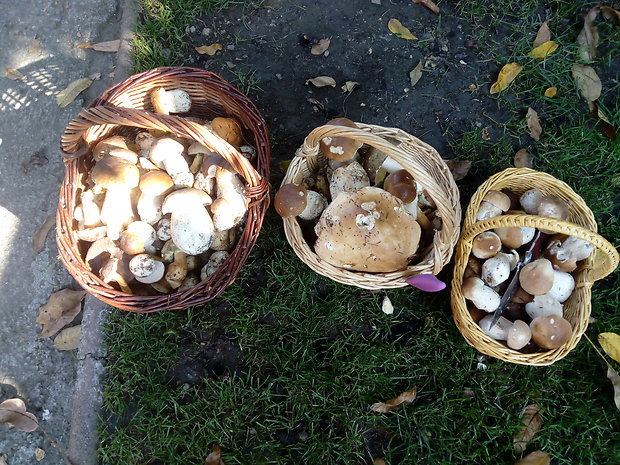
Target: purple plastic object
426	282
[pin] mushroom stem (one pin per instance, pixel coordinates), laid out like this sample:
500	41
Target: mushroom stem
117	211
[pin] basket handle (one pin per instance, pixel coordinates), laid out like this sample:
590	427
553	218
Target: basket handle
83	130
604	261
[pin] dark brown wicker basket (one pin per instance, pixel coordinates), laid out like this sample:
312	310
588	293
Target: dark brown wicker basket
125	109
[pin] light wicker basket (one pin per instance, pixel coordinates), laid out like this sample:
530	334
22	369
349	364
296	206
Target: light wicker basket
124	110
581	224
417	157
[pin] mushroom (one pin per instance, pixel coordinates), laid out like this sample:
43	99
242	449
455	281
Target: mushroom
146	268
182	180
563	286
138	238
494	203
90	209
550	332
224	240
118	177
348	178
154	186
519	335
143	141
92	234
564	252
530	200
110	272
191	226
372	161
521	297
103	147
177	270
206	175
316	203
499	331
543	305
163	230
514	237
486	245
536	277
339	148
367	230
482	296
231	205
228	129
99	252
170	101
402	185
167	154
551	206
124	154
215	261
496	270
290	200
190	281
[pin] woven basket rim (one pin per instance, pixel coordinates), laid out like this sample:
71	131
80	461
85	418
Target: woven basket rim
417	157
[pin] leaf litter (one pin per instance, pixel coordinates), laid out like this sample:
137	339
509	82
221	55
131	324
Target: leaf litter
60	310
209	49
537	457
532	422
507	74
416	73
322	81
402	399
399	30
108	46
533	124
543	35
428	4
38	240
610	342
523	159
13	412
320	47
588	82
615	381
68	339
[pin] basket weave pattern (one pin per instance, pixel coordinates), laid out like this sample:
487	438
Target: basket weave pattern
124	110
424	164
581	224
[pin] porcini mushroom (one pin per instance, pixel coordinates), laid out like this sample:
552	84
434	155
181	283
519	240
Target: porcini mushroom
170	101
339	148
290	200
519	335
215	261
230	207
499	330
550	332
348	178
530	200
514	237
496	270
146	268
494	203
154	186
103	147
191	226
167	154
563	286
138	238
543	305
481	295
228	129
486	245
315	205
536	277
177	270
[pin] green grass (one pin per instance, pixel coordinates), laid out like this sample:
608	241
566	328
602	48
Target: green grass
314	355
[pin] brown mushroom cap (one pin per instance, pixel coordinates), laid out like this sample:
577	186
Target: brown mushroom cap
228	129
511	237
553	207
486	245
499	199
550	332
536	278
290	200
113	171
367	230
155	182
110	143
340	148
402	185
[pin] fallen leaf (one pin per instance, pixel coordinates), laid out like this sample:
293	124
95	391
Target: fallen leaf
15	75
543	35
607	128
39	454
68	95
403	399
615	381
428	4
349	86
544	50
537	457
35	47
588	38
399	30
611	14
551	92
60	310
109	46
416	73
532	422
38	240
386	306
68	339
13	412
523	159
215	457
588	82
379	461
533	124
507	74
320	47
322	81
458	168
209	49
610	342
284	164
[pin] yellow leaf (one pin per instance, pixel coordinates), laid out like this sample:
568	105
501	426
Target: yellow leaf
615	380
209	49
544	50
403	399
507	74
68	95
61	309
535	458
610	342
401	31
551	92
428	4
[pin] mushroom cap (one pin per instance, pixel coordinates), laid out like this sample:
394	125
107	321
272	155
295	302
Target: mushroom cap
496	270
146	268
514	237
348	178
103	147
550	332
402	185
486	245
170	101
519	335
112	172
228	129
563	286
155	182
529	201
499	199
536	278
290	200
183	199
163	148
137	237
551	206
367	230
543	305
340	148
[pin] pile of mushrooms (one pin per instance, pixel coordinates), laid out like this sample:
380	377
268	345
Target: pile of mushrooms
161	213
533	318
364	212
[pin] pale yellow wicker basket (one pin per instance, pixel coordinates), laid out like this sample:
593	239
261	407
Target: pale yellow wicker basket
417	157
581	224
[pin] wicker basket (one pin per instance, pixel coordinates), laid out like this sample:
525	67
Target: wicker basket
125	109
582	224
426	166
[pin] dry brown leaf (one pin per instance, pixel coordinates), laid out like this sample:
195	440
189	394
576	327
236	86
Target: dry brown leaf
403	399
68	95
14	75
209	49
615	381
349	86
611	14
523	159
399	30
458	168
322	81
533	124
109	46
551	92
60	310
507	74
588	38
607	128
13	412
544	50
215	457
68	339
543	35
38	240
39	454
537	457
428	4
416	73
588	82
532	422
320	47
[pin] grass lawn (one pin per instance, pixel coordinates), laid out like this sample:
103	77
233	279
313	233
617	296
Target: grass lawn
282	368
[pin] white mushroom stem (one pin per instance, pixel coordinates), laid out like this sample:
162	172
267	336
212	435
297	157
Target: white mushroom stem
390	165
117	211
90	209
177	270
149	207
230	206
